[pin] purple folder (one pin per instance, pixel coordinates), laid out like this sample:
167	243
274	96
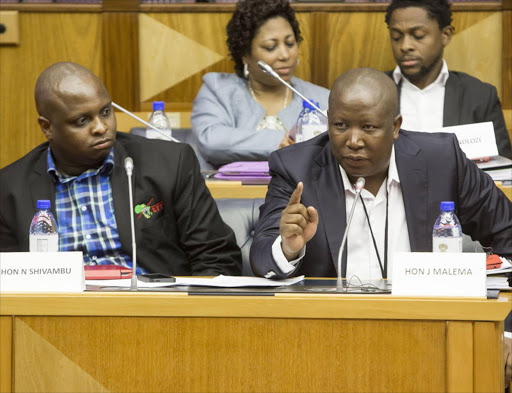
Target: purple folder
248	172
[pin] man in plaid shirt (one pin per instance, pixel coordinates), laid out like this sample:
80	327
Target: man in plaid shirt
80	169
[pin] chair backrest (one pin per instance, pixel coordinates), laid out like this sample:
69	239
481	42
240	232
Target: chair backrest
242	216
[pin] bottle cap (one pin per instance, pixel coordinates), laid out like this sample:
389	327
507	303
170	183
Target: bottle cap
43	204
306	104
447	205
158	105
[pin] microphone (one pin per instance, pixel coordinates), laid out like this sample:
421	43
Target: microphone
359	187
143	122
128	167
267	69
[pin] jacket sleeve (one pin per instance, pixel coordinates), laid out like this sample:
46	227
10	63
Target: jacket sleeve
8	241
494	113
209	243
485	212
279	191
222	141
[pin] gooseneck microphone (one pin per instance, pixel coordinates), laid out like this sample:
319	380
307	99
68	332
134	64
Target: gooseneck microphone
128	167
144	122
269	70
358	187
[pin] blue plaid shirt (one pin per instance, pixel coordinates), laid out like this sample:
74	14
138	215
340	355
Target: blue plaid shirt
85	214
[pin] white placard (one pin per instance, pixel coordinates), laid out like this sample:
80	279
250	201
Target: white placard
42	272
439	274
477	140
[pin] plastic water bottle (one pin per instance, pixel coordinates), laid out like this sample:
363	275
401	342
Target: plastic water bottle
310	123
447	234
159	120
43	233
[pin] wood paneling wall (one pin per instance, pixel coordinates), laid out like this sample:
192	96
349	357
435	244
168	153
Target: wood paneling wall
106	39
45	38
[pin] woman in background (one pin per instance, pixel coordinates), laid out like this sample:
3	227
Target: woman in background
247	115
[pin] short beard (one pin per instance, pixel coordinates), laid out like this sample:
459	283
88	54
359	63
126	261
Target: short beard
424	70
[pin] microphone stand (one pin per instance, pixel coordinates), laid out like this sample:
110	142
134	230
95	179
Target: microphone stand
269	70
359	187
144	122
128	166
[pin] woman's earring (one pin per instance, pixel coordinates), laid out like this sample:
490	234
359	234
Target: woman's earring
298	61
246	71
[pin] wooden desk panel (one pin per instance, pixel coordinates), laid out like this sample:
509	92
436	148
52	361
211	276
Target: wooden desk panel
172	342
5	353
79	354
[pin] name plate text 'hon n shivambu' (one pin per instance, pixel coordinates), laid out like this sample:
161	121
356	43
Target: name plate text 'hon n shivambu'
42	272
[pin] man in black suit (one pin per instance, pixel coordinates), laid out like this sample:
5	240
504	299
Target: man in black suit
407	175
430	96
80	169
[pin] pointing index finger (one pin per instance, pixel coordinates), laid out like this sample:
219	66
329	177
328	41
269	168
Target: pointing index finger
296	194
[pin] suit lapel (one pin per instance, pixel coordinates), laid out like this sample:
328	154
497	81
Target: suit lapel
399	89
41	184
331	200
453	97
120	193
413	173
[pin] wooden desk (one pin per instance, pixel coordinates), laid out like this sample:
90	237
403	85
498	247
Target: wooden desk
506	189
235	189
173	342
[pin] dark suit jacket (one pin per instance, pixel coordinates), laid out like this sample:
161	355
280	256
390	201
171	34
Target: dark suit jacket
468	100
184	236
432	168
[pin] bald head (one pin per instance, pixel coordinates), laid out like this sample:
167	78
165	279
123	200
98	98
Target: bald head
54	80
369	83
363	124
76	116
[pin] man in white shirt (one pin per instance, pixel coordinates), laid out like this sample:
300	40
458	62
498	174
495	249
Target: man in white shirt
430	96
407	175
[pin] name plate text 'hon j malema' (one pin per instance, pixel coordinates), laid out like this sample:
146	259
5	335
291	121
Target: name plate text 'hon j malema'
439	274
42	272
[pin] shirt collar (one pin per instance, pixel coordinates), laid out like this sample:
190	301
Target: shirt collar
441	78
392	174
105	169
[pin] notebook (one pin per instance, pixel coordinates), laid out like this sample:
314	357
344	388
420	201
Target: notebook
248	172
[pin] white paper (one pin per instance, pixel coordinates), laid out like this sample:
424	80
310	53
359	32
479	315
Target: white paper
498	283
504	174
219	282
477	140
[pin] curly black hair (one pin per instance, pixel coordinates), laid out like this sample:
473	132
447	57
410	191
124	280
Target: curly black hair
248	17
436	9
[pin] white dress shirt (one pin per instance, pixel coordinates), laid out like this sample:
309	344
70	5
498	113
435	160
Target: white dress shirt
422	110
361	256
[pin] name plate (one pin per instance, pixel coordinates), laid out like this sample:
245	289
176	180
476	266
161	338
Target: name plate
476	140
439	274
42	272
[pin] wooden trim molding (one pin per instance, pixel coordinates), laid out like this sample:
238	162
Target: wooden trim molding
507	59
134	5
121	58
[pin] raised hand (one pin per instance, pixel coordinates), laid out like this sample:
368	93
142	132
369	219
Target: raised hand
298	224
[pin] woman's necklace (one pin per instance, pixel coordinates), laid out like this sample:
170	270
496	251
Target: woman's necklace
285	102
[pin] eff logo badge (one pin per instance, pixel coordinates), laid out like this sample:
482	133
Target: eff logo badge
147	210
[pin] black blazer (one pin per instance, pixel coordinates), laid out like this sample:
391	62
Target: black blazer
184	236
432	168
468	100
